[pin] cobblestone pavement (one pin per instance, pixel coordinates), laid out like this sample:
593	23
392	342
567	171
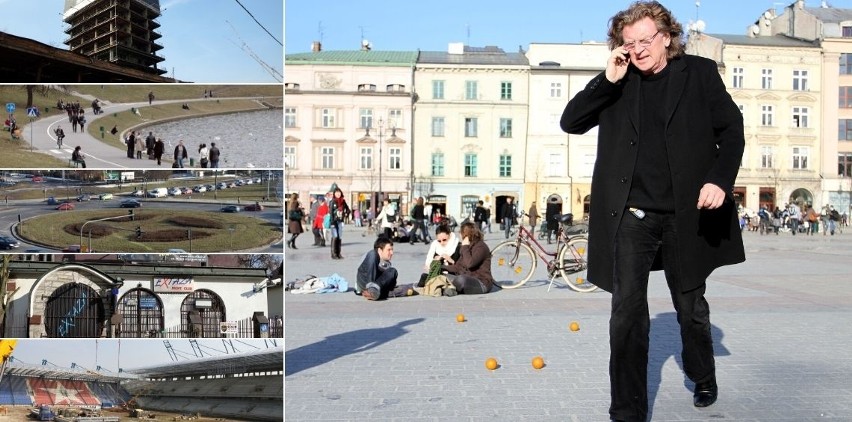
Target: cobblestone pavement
782	323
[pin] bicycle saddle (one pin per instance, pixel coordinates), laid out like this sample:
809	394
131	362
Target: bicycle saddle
566	219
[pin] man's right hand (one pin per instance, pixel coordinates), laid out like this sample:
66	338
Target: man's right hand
616	66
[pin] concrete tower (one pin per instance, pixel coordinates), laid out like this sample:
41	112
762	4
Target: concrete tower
117	31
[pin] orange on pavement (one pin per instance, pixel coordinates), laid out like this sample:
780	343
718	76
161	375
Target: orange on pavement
574	326
538	362
491	364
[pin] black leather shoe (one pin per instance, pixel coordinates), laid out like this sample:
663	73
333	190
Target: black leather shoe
705	394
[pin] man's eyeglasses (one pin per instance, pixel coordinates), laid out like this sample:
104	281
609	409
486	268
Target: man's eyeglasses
644	43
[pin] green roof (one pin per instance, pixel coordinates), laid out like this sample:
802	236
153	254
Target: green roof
354	57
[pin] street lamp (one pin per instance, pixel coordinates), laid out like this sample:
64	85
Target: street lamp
381	123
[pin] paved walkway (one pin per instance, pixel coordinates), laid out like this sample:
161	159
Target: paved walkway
781	325
98	153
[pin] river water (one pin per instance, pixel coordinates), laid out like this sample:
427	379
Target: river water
245	140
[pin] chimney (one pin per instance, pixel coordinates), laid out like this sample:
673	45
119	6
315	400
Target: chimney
316	46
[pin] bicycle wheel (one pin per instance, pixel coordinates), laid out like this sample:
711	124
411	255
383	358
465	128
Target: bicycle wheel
573	264
512	266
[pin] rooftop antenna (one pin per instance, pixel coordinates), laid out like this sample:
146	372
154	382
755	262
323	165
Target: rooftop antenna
319	31
467	28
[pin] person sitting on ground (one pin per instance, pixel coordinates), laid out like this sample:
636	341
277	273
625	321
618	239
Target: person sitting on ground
376	277
471	273
445	248
185	106
78	157
114	130
403	232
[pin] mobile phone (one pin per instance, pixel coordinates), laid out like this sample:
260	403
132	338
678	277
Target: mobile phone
637	212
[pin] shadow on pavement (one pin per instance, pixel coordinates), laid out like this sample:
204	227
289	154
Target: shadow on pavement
343	344
666	343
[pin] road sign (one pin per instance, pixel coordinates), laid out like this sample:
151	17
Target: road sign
32	112
10	107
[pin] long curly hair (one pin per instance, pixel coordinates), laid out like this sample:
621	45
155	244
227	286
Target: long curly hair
662	17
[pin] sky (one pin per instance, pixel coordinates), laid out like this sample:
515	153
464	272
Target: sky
431	25
135	353
198	43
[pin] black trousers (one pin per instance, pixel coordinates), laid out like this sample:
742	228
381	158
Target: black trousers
636	245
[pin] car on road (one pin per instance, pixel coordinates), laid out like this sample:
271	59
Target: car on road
158	193
199	188
221	185
253	207
52	201
105	196
175	191
8	243
138	193
231	208
72	249
175	250
186	191
38	179
84	197
130	203
65	206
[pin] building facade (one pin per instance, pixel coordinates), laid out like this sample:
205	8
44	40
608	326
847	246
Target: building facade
68	299
471	129
348	120
115	31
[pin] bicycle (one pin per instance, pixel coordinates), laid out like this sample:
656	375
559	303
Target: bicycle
514	261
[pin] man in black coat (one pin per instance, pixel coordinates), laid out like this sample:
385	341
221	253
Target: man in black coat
670	142
507	214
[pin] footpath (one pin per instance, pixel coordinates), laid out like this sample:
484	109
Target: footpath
781	330
98	153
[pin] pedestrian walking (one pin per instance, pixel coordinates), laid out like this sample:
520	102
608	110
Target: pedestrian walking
670	143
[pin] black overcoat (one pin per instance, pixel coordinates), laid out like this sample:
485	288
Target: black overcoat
704	143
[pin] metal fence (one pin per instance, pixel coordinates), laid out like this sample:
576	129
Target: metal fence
245	329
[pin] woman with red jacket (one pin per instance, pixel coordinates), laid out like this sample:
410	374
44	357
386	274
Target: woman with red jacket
317	227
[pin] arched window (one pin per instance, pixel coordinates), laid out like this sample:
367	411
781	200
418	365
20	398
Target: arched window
200	314
74	310
141	314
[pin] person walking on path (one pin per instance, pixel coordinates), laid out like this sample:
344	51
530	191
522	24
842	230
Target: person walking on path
533	215
203	153
139	146
214	156
150	97
317	227
388	217
339	209
419	217
670	144
158	150
180	153
295	217
130	141
507	215
150	140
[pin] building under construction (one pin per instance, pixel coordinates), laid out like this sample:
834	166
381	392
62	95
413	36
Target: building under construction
115	31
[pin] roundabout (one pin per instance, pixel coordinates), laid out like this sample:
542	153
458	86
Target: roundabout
148	230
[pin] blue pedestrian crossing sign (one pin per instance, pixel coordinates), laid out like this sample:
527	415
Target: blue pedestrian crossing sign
32	112
10	107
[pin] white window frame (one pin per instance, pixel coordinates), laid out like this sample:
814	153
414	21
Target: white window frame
328	118
738	75
556	90
767	115
395	158
471	126
766	156
395	118
504	165
365	158
438	89
437	164
800	117
471	90
766	78
800	80
438	127
800	157
290	157
365	118
555	164
471	160
290	117
506	90
327	158
505	127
